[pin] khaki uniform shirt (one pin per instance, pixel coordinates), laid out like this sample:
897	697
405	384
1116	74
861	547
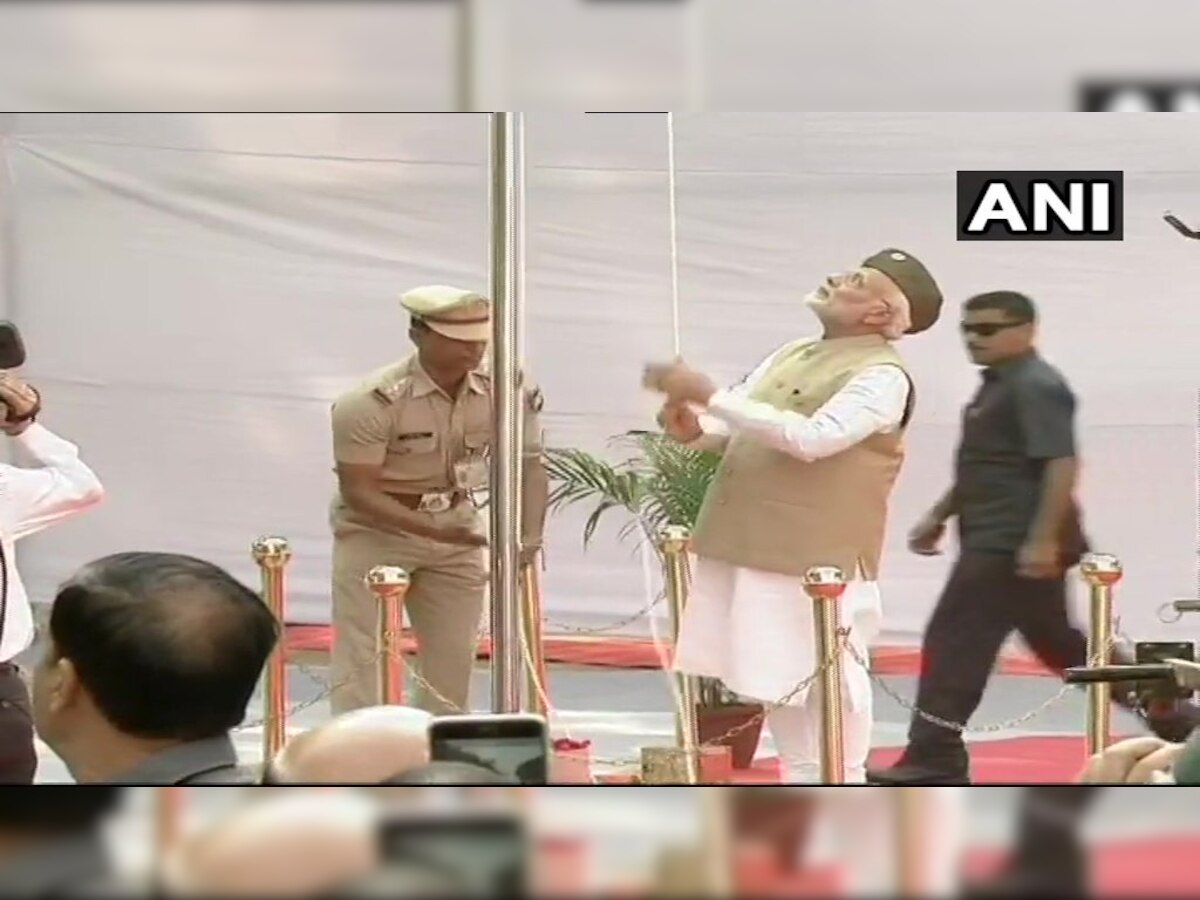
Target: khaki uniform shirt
428	442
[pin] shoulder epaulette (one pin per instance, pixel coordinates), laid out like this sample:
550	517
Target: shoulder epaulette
390	391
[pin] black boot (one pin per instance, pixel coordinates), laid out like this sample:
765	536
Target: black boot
1050	859
926	764
1067	877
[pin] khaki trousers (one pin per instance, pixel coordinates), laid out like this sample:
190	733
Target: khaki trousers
444	604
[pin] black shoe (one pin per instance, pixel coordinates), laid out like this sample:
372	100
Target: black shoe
1067	877
1015	884
927	770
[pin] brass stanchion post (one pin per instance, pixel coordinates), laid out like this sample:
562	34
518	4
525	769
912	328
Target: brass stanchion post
1101	571
680	763
389	584
531	620
272	555
911	827
168	814
674	546
825	585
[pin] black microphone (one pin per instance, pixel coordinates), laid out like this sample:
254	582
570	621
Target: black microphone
12	348
1110	674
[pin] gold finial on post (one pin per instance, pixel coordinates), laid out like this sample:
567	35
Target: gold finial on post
389	584
825	586
272	555
1101	571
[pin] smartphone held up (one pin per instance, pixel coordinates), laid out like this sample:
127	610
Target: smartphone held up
514	746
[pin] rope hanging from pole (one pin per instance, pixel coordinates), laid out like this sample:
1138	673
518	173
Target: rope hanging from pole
677	344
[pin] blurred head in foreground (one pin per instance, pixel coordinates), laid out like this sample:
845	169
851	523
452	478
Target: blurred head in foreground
294	843
775	819
147	651
56	811
403	879
366	746
449	772
50	842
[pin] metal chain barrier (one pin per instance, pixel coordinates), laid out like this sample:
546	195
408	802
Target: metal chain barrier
391	633
798	688
768	708
962	727
616	625
324	694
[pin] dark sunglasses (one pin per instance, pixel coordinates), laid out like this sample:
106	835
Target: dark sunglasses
987	329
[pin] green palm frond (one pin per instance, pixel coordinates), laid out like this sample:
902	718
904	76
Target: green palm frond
658	482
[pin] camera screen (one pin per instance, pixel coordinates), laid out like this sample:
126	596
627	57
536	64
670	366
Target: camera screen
522	758
487	855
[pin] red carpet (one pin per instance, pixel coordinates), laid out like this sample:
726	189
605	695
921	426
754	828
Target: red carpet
1025	760
640	653
1160	867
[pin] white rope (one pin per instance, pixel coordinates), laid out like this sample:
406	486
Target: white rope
677	343
520	229
694	48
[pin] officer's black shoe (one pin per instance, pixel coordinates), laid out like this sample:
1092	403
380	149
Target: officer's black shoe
1016	884
916	769
1066	877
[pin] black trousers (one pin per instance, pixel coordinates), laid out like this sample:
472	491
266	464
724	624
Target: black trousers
983	602
18	756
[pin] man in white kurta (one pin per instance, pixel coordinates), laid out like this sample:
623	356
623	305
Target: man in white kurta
57	486
748	621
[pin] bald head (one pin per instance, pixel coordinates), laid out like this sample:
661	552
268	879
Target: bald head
297	843
366	746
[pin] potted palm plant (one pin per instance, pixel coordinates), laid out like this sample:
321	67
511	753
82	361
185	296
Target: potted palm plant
658	482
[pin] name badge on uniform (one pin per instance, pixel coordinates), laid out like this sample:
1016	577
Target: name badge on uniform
471	474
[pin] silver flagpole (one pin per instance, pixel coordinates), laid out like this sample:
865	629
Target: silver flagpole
506	457
526	688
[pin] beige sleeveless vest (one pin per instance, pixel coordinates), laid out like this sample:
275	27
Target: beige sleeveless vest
771	511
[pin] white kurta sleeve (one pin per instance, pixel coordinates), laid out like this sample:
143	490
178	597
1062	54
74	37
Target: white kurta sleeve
716	430
60	487
873	401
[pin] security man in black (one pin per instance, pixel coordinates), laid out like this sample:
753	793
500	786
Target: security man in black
1019	532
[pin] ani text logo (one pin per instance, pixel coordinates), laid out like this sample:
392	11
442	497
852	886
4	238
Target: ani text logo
1040	206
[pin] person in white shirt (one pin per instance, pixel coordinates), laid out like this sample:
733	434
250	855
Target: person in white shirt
57	486
811	444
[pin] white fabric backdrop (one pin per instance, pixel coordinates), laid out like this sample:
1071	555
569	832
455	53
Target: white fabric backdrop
194	289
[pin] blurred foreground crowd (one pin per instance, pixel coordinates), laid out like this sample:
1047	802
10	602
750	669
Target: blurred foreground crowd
503	841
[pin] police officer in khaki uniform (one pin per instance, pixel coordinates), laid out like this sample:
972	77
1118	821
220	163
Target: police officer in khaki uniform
411	444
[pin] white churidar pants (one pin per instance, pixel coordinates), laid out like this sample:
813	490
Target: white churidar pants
754	631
